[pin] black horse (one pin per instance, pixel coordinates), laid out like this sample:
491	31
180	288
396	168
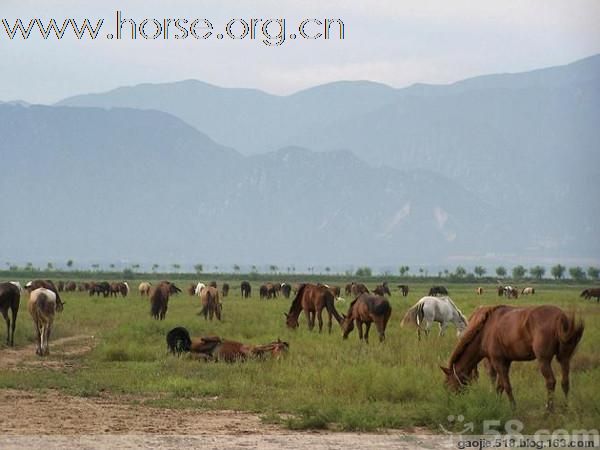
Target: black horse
10	297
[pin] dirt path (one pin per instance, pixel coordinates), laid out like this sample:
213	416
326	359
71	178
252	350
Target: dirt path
55	420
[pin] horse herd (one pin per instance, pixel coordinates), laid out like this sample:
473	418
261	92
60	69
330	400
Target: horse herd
497	334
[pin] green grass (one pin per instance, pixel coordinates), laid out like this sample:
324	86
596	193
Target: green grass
324	381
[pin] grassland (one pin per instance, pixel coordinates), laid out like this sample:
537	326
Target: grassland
324	381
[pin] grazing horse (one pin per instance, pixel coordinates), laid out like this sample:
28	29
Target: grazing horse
47	284
511	292
504	334
225	290
42	306
367	309
286	290
211	304
102	287
70	286
591	293
528	291
246	289
479	291
403	289
10	297
435	309
214	348
348	288
358	288
382	289
438	291
144	288
159	298
312	299
191	289
119	288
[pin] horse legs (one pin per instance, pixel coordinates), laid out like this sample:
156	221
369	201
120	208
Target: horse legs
319	315
7	320
380	324
564	382
546	369
367	328
309	319
329	323
14	324
443	326
502	368
359	327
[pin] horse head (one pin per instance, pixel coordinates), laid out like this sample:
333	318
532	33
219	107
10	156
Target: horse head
347	325
456	381
291	321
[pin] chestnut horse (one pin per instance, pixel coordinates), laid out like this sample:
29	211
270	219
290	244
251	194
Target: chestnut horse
504	334
211	303
367	309
10	296
312	299
159	298
591	293
217	349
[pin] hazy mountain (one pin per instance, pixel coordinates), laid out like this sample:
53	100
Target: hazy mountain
117	184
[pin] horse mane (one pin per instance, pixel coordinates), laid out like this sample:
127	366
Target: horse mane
475	325
297	302
457	309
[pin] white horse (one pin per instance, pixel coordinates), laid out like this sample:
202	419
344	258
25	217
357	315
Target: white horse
435	309
199	288
42	307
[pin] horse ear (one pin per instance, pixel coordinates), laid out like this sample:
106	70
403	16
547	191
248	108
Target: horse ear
446	370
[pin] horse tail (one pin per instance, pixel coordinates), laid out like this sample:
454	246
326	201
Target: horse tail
330	305
178	340
570	332
410	318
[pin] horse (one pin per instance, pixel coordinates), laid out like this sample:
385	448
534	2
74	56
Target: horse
70	286
348	288
382	289
366	309
435	309
159	298
10	297
591	293
213	284
479	291
500	291
528	291
246	289
225	289
438	291
102	287
214	348
286	290
144	289
211	304
199	288
511	292
119	288
504	334
42	306
46	284
403	289
191	289
312	299
358	288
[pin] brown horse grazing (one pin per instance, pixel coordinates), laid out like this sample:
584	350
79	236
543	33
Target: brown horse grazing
225	289
10	297
70	286
159	298
367	309
286	289
312	299
403	289
528	291
47	284
504	334
211	304
42	306
246	289
119	287
217	349
358	288
382	289
591	293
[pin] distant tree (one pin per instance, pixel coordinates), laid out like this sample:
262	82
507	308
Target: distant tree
96	266
460	272
364	272
198	268
593	273
127	273
70	263
518	272
135	266
112	266
254	269
216	268
236	268
49	266
537	272
501	271
479	271
577	273
13	268
155	267
273	268
446	272
558	271
421	270
403	270
176	266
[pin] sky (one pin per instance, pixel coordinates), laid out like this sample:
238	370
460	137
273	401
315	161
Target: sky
389	41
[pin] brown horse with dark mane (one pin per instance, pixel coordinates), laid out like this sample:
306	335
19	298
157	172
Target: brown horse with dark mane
591	293
10	297
504	334
382	289
159	298
403	289
367	309
312	299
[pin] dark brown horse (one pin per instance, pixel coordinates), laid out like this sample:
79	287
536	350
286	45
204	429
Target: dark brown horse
504	334
246	289
286	289
47	284
159	298
358	288
403	289
382	289
217	349
10	297
225	289
591	293
367	309
438	291
70	286
312	299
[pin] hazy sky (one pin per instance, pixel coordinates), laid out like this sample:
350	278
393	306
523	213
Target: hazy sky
391	41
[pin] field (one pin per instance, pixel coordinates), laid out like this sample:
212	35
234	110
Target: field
111	346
